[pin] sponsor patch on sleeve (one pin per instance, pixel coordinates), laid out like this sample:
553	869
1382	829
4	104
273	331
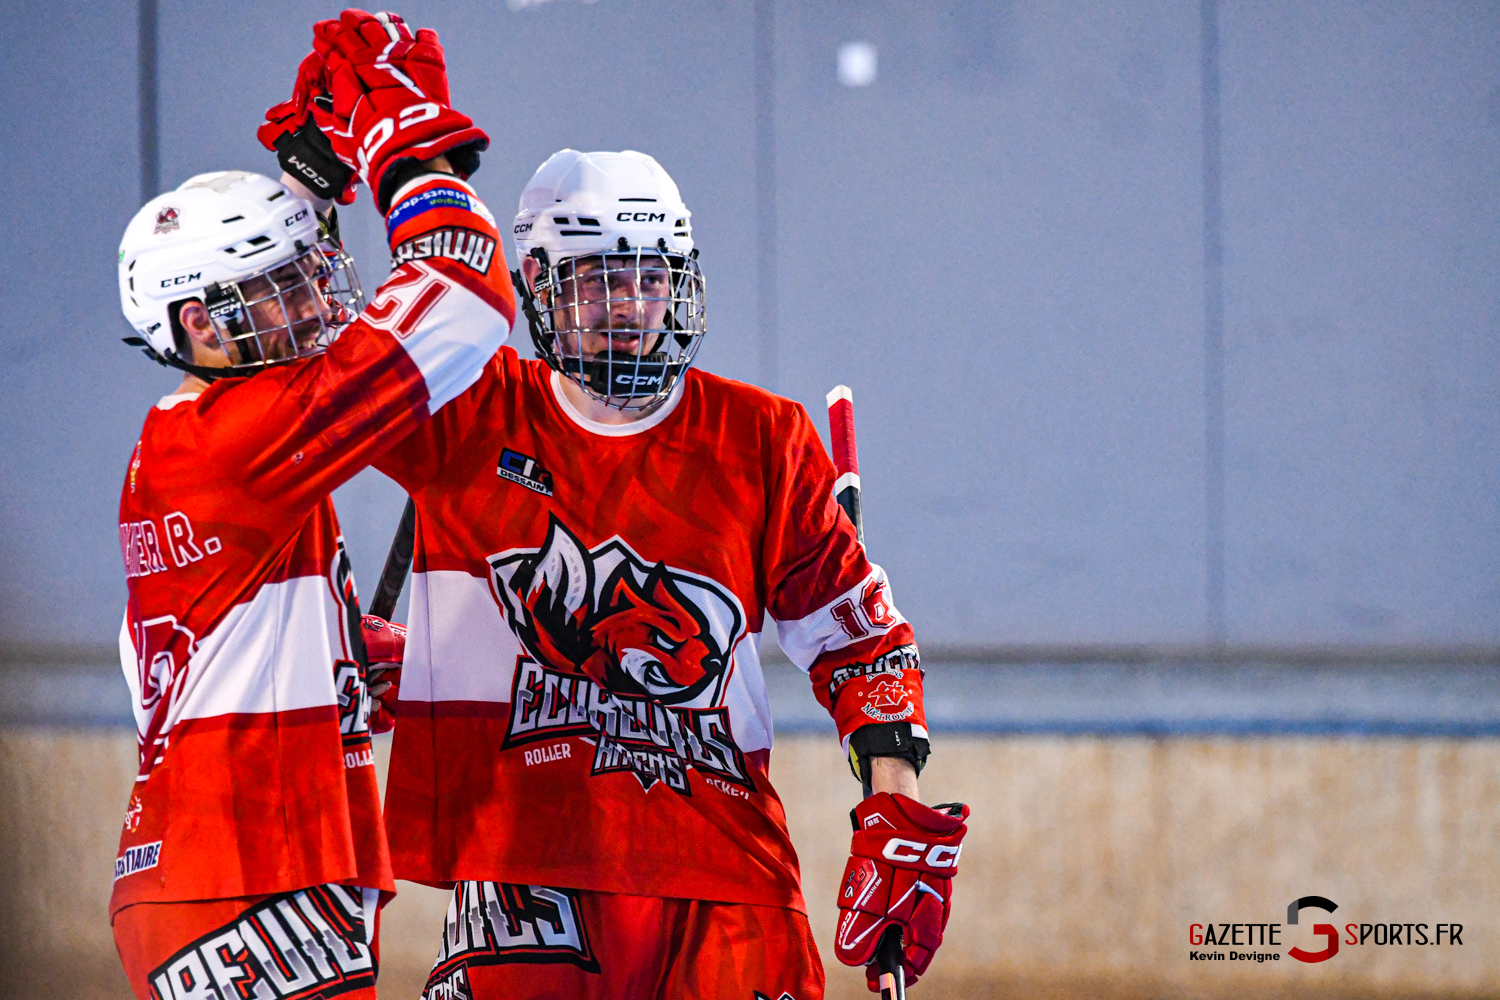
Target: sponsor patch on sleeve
889	701
896	661
433	199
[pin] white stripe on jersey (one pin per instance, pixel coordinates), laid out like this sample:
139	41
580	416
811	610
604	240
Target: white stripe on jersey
274	653
749	705
824	631
468	637
465	633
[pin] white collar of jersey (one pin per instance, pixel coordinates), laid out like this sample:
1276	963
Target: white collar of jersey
167	402
614	430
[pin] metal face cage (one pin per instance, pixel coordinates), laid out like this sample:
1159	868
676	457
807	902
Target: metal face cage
294	309
625	326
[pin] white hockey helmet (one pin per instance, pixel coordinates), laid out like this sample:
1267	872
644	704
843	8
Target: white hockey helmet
276	286
619	219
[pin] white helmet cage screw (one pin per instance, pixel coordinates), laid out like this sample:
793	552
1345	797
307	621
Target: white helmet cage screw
617	305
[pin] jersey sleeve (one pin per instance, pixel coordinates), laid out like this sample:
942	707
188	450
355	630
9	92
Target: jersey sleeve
834	613
417	459
292	434
426	223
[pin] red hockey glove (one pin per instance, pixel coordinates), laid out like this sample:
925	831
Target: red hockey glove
385	648
389	91
904	856
289	116
300	146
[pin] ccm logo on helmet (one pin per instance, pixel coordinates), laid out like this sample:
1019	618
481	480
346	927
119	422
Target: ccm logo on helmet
637	379
296	218
181	279
938	856
641	217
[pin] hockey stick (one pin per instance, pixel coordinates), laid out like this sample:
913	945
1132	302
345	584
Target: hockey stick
846	491
845	456
397	563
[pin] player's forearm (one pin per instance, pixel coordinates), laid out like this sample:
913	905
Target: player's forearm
894	774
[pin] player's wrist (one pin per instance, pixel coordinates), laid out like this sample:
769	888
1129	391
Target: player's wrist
400	172
896	775
891	750
295	185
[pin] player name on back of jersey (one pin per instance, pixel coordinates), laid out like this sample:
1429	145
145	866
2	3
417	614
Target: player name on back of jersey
137	859
656	742
140	545
451	243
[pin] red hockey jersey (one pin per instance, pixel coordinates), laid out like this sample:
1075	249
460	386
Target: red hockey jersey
554	552
241	637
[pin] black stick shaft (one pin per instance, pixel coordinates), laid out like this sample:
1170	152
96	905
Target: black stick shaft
892	974
849	500
397	565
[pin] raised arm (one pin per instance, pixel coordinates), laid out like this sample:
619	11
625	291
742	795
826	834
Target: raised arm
430	329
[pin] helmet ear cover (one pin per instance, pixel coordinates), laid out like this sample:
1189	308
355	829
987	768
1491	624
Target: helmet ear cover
226	309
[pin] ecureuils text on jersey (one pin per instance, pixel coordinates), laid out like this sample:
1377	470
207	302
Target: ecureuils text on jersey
640	735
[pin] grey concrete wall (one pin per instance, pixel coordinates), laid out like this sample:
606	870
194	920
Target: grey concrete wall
1086	863
71	396
1362	208
999	245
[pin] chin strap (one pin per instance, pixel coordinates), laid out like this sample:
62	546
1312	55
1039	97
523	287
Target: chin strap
171	360
634	378
533	318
